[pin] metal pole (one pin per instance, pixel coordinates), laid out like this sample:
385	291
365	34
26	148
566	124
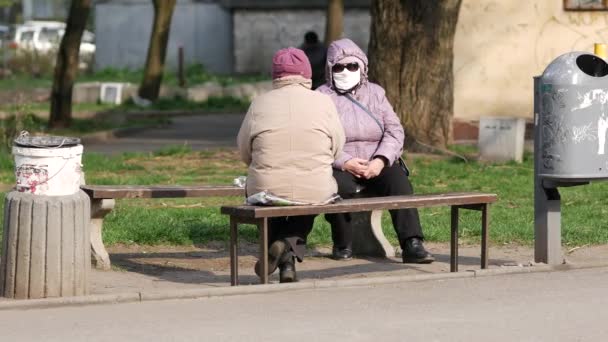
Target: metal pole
547	209
180	66
454	239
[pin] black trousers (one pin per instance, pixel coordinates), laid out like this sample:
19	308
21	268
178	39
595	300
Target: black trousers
294	230
392	181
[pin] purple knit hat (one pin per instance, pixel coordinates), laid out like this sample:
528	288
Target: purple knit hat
290	61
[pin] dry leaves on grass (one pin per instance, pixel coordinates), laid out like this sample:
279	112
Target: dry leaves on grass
572	250
216	160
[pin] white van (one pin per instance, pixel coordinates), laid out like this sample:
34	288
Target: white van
43	36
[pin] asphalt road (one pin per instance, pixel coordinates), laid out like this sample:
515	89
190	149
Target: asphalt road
198	131
559	306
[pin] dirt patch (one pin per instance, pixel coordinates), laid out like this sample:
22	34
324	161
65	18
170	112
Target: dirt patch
201	263
205	162
157	268
214	256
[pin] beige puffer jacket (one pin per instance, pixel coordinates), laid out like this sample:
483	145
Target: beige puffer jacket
290	138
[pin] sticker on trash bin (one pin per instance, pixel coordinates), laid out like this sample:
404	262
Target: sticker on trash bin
32	178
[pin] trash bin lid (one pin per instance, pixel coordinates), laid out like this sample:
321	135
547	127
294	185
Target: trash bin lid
47	141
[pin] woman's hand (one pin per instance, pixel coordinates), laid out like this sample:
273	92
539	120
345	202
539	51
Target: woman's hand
356	166
374	168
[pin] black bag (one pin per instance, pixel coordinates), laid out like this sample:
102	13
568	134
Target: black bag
400	159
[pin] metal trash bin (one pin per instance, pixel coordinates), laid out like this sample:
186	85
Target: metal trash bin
573	118
570	128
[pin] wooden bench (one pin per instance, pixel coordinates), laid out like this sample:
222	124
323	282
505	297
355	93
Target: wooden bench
259	216
102	203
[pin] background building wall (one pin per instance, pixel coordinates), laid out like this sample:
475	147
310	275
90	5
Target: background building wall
500	45
123	34
45	9
259	34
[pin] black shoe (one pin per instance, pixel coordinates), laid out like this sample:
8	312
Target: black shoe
287	272
414	252
341	253
276	253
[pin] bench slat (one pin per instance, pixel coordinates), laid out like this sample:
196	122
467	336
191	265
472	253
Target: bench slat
363	204
163	191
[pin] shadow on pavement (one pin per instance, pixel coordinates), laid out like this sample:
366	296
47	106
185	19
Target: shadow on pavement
213	267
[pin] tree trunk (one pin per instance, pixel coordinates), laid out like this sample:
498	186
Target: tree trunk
411	56
157	50
15	13
334	23
66	67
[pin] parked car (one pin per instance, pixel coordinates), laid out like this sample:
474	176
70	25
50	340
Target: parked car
44	36
4	31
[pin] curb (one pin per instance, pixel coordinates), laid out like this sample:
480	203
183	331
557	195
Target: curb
131	297
70	301
110	134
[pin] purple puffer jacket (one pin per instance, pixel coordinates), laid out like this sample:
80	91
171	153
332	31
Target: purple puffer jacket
364	138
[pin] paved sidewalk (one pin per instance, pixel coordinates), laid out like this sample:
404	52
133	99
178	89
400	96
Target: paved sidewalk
140	269
553	306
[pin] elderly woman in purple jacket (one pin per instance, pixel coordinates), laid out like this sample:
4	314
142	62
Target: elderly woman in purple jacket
369	163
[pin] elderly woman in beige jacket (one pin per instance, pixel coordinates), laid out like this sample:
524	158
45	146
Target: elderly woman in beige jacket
290	138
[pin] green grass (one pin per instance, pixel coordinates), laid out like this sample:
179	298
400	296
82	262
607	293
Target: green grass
6	168
174	150
80	126
24	82
213	104
45	107
187	221
224	104
194	74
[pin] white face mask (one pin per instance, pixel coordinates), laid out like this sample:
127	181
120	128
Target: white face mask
346	80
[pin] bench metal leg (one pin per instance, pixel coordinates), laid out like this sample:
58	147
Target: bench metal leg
99	209
234	252
263	228
454	241
485	224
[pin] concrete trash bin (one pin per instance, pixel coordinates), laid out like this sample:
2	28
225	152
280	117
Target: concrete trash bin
46	250
573	118
501	139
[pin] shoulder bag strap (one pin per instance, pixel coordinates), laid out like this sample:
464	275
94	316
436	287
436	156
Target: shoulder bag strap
367	111
400	159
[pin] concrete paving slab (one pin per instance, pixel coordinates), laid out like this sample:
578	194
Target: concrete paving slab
552	306
138	268
143	273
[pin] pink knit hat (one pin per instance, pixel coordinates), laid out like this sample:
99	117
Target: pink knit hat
290	61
